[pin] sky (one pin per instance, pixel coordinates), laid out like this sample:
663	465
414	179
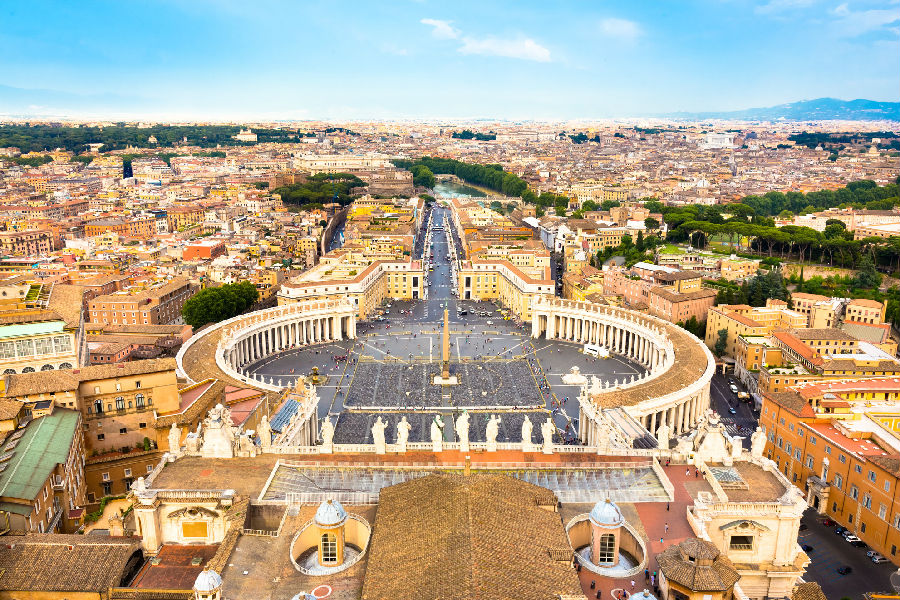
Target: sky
429	59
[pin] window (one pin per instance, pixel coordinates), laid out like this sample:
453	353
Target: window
123	430
105	476
842	458
882	511
809	462
862	527
872	476
100	437
857	468
854	492
329	548
127	472
838	481
741	542
107	489
867	500
149	468
96	389
120	403
827	449
812	439
887	485
139	400
797	454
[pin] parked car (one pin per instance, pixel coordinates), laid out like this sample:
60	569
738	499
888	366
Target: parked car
829	523
807	548
877	558
844	570
803	526
840	530
733	388
852	538
871	553
732	410
859	544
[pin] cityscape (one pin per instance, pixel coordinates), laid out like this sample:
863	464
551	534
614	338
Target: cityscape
500	301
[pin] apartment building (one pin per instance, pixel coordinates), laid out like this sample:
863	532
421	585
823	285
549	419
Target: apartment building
515	287
27	243
744	320
156	306
838	443
118	403
664	292
42	483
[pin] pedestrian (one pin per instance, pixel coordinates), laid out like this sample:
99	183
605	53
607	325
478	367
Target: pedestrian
599	593
652	580
696	473
646	574
667	527
632	584
593	584
660	540
667	507
687	472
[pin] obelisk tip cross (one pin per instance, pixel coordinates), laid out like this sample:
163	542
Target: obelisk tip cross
445	347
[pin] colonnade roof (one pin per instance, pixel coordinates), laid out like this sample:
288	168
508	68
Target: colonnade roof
690	363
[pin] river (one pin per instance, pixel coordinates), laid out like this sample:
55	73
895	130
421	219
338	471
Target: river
450	189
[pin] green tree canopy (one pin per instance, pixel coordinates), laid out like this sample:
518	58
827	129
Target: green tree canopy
212	305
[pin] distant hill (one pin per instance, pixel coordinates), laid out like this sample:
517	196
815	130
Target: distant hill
820	109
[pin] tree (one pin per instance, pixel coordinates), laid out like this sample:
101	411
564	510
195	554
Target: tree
721	342
212	305
651	224
867	278
639	244
588	205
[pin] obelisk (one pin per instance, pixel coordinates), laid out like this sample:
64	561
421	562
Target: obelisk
445	347
445	378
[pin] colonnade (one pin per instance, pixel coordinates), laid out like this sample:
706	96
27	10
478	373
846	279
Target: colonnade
619	336
269	339
671	400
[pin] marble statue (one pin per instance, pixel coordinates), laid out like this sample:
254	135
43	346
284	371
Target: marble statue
139	486
662	436
437	434
491	432
527	445
403	428
327	436
174	440
265	432
547	431
218	435
462	431
378	436
574	377
246	445
758	442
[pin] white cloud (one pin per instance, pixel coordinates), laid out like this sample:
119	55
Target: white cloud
622	29
442	30
777	6
522	48
852	23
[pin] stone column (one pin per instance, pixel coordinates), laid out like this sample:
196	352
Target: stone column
653	424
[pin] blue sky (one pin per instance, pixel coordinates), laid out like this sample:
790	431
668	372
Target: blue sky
266	59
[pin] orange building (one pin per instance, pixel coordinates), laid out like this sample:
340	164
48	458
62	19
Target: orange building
837	442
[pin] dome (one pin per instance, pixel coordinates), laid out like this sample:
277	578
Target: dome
606	514
207	581
330	514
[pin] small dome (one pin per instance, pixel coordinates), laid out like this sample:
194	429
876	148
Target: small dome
330	514
207	581
606	514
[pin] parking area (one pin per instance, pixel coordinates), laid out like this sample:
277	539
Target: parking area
830	552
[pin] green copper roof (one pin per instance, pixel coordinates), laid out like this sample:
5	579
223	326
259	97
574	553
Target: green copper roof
30	329
27	462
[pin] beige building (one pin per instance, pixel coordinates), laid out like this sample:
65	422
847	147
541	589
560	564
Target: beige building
156	306
743	320
515	287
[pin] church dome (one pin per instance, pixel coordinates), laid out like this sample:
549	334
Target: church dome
330	514
606	514
207	581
